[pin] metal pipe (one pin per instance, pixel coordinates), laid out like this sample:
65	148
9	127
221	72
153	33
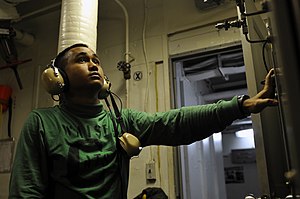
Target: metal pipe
36	12
126	46
24	38
126	31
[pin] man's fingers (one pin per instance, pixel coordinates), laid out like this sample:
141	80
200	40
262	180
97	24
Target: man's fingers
260	104
267	102
271	102
269	77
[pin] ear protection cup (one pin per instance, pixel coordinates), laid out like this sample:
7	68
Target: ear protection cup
104	92
54	80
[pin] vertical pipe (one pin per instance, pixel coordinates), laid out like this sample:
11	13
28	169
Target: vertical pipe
78	23
126	46
127	30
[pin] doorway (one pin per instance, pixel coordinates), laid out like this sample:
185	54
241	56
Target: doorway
224	164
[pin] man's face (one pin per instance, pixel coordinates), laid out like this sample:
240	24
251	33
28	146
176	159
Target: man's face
83	70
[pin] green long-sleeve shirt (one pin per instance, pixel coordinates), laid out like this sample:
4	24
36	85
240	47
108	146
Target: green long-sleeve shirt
70	151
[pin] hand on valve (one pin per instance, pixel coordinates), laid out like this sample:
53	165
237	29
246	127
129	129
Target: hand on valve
266	97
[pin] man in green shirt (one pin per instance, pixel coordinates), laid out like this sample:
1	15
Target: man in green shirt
73	150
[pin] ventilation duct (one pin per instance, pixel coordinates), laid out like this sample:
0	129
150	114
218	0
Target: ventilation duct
24	38
8	11
217	64
14	1
219	70
78	23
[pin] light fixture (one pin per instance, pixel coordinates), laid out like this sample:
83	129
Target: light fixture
245	133
217	137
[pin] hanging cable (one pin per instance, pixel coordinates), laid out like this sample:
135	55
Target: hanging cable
120	100
119	150
264	56
254	41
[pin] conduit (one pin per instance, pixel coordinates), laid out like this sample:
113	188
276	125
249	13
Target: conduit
126	31
78	23
146	55
127	54
24	38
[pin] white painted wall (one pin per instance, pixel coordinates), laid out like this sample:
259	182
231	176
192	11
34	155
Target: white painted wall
45	30
164	19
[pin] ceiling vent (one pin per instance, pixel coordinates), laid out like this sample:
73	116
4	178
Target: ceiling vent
220	69
207	4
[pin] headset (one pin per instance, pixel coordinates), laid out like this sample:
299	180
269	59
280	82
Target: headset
55	81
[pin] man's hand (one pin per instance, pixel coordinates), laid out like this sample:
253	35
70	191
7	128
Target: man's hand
266	97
